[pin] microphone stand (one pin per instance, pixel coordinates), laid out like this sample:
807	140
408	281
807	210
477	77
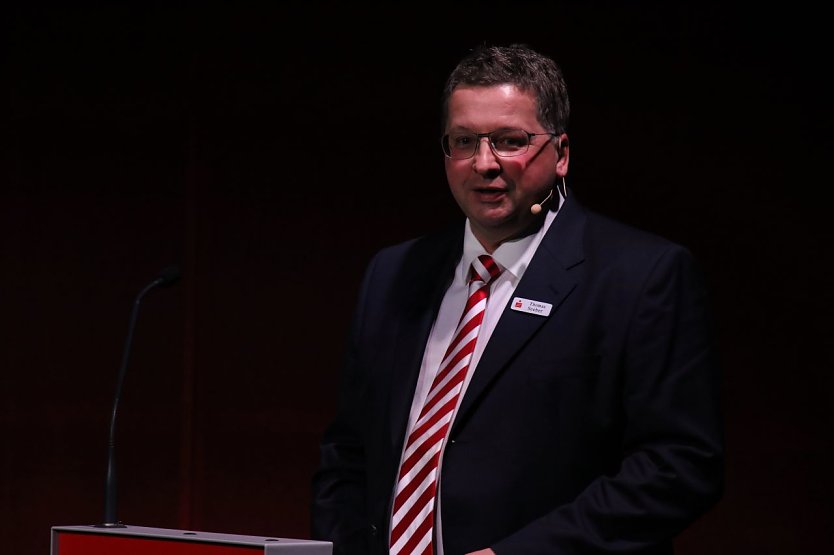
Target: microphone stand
166	277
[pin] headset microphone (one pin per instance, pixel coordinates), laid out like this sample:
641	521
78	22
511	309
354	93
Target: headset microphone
536	208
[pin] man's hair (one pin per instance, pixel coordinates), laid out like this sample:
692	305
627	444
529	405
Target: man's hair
519	65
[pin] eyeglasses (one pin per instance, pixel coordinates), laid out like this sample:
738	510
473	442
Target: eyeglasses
461	145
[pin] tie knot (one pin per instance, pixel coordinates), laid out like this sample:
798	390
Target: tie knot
484	269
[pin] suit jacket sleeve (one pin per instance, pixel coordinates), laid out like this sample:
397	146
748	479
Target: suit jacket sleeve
339	504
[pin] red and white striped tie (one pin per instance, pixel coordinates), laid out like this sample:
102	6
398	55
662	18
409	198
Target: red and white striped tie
413	512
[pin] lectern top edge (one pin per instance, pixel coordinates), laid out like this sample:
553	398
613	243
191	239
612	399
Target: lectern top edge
269	544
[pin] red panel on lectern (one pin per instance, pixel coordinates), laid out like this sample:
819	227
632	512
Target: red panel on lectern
93	544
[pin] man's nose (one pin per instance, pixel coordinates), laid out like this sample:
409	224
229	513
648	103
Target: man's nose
484	161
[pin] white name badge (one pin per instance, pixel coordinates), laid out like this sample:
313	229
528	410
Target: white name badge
531	307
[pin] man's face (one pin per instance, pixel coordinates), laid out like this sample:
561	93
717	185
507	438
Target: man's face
496	192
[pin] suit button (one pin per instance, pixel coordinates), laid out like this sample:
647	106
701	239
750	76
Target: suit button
373	529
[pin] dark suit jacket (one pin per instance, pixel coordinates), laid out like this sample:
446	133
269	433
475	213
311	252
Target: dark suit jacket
594	430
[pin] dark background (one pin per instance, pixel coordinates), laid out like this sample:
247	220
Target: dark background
270	149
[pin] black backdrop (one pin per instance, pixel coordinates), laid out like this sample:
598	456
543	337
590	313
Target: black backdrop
270	149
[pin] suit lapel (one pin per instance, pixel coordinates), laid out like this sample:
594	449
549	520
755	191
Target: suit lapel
429	268
547	279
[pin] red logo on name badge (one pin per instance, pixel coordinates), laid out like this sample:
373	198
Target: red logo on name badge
518	304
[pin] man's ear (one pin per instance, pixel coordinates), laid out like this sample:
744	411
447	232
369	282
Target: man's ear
563	150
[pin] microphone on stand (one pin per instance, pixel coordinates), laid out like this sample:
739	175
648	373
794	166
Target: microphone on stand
167	276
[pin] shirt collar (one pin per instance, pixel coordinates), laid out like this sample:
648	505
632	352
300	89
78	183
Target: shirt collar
512	256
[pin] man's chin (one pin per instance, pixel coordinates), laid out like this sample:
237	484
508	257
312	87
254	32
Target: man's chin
497	229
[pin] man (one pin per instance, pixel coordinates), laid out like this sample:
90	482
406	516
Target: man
576	410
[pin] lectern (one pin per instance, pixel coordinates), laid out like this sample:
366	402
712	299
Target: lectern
140	540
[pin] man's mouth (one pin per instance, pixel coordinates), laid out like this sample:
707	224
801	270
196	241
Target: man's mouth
490	195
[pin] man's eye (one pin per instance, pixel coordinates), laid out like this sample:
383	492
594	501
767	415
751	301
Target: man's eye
510	142
462	140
